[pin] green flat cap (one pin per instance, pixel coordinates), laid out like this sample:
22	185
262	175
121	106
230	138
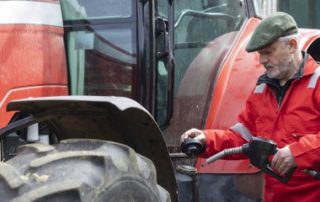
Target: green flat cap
270	29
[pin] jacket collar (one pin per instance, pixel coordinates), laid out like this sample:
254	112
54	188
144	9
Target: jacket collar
310	66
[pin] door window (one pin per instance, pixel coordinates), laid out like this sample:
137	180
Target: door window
101	46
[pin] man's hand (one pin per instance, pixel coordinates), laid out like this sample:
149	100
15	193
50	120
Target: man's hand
283	161
193	133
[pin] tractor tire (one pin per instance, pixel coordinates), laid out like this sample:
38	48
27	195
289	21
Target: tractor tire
79	170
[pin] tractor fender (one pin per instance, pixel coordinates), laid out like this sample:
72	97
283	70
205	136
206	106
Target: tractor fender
116	119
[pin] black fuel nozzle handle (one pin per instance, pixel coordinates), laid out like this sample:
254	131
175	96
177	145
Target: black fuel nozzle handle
259	151
282	178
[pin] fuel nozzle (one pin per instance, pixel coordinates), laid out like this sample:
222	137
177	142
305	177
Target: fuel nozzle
258	151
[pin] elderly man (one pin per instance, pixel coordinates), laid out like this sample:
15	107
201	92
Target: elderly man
284	107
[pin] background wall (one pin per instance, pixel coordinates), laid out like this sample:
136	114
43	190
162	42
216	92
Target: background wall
305	12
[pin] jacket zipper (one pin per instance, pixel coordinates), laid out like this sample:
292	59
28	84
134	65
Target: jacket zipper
282	99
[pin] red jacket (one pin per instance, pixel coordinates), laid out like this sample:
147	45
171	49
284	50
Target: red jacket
295	122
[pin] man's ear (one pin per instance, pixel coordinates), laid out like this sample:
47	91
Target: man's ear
293	44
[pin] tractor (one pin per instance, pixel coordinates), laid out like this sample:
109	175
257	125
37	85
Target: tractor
95	94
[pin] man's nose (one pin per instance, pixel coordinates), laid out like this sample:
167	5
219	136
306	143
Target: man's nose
263	59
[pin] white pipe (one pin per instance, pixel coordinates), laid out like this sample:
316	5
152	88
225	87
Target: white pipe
44	138
33	133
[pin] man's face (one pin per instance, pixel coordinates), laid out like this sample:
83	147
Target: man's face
277	58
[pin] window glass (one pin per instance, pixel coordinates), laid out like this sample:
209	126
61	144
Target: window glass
162	80
162	90
199	22
101	61
205	32
96	9
101	54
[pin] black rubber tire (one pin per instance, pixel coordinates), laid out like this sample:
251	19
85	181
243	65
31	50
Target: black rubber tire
79	170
